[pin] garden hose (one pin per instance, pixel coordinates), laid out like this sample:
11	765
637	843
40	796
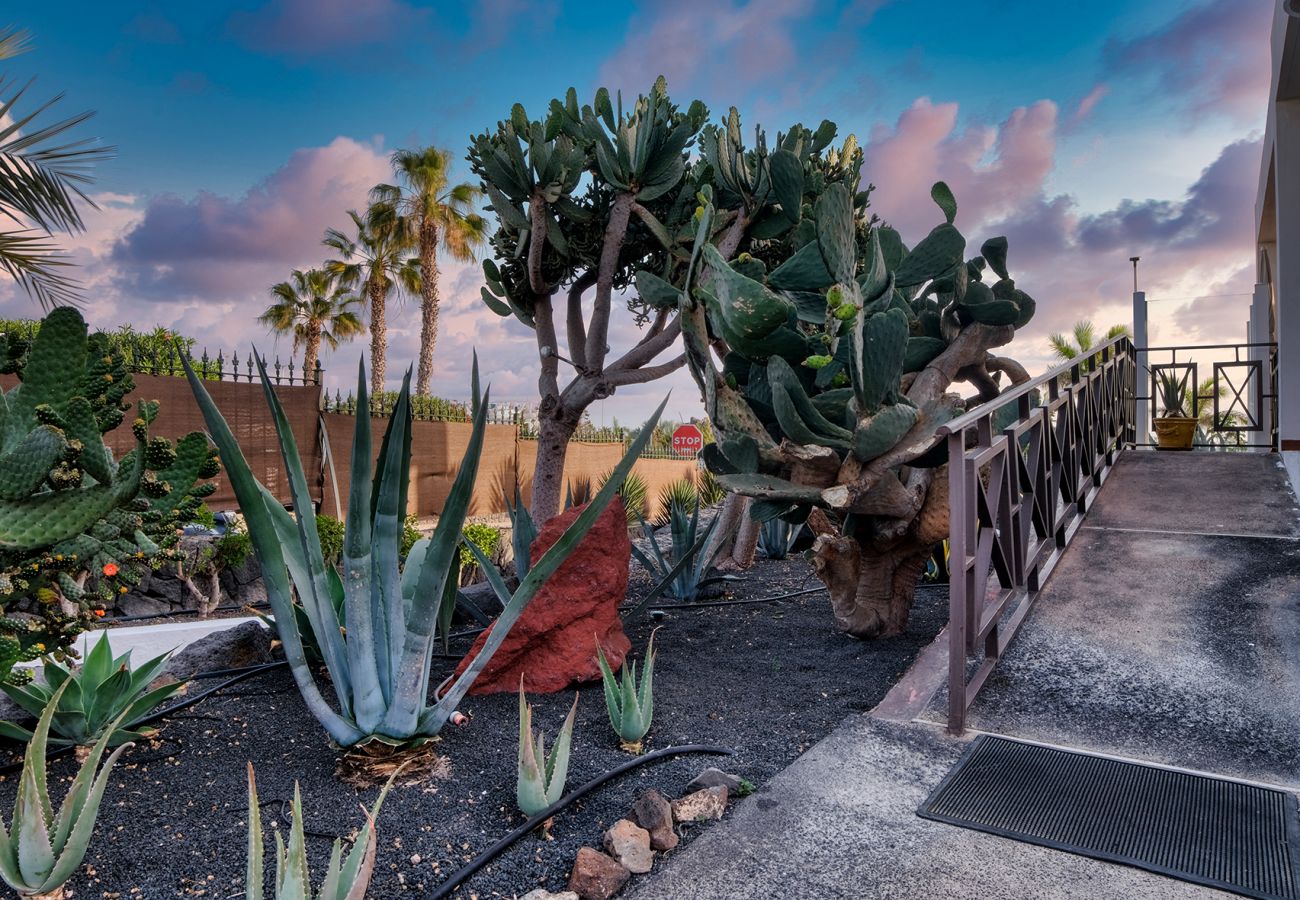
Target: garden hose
460	875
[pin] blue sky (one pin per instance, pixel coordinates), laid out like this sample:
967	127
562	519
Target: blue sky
1085	132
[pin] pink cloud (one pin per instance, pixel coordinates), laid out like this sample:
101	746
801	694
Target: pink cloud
692	44
209	244
1211	58
312	27
1089	103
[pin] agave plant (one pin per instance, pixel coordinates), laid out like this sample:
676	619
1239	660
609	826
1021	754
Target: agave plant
1173	393
101	697
631	707
632	488
344	879
684	569
40	849
541	776
776	538
379	665
523	531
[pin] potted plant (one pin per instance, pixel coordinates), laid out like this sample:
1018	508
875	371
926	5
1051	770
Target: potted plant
1175	430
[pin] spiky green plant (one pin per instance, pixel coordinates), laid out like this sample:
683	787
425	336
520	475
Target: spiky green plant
632	488
523	531
1174	396
776	537
541	775
345	879
684	569
683	492
378	666
711	493
631	707
93	696
40	850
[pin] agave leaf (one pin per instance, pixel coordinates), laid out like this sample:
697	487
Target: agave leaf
557	764
388	505
360	865
542	570
266	546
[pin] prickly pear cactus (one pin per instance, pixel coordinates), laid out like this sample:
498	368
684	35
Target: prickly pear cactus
827	375
77	526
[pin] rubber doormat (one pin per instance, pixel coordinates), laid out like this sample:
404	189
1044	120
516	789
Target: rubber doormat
1213	831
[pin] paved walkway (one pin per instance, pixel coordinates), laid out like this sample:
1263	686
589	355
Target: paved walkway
1170	632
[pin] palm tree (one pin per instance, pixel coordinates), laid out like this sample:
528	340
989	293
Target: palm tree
313	308
374	262
435	213
1084	336
40	186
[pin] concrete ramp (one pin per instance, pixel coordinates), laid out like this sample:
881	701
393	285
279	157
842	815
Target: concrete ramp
1169	633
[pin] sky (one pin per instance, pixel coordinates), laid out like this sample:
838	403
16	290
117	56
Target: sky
1086	133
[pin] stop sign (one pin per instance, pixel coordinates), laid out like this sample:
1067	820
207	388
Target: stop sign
687	439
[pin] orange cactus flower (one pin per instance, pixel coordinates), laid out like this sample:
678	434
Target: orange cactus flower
100	613
110	569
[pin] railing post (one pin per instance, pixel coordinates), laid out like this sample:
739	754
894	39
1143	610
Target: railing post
1141	422
958	517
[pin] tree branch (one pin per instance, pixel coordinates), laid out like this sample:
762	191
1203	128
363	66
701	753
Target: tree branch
640	376
611	248
577	328
548	384
536	241
647	349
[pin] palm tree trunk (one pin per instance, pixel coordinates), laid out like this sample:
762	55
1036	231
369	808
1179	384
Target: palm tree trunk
311	351
378	336
429	303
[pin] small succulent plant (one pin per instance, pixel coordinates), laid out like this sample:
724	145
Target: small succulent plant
776	537
101	697
345	879
631	706
684	569
41	850
523	531
541	776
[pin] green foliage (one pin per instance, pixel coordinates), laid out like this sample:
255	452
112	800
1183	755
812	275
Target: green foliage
329	530
232	549
483	536
541	776
75	524
631	707
379	665
41	849
410	536
91	698
633	490
711	493
345	878
1174	395
688	555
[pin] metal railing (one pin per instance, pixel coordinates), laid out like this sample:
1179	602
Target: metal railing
1023	470
1236	407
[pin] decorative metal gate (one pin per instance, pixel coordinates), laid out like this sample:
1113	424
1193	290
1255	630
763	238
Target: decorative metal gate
1023	469
1236	407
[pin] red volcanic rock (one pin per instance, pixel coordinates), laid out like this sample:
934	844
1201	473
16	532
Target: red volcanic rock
553	644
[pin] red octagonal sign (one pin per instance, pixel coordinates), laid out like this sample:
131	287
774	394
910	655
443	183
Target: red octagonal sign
687	439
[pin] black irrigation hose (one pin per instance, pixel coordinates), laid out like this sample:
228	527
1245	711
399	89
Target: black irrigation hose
464	872
142	617
245	673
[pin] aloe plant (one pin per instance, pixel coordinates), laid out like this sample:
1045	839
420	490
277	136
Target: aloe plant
344	879
631	707
40	849
541	776
379	665
691	555
103	696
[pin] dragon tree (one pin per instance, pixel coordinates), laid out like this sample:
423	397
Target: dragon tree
595	208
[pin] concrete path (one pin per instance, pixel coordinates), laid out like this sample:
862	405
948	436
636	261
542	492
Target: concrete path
1170	632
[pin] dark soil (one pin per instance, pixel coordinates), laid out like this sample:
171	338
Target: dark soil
767	679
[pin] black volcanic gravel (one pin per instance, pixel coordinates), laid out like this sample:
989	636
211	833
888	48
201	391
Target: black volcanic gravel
767	679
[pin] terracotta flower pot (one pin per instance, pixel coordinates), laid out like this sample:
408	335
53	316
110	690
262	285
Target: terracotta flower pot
1175	433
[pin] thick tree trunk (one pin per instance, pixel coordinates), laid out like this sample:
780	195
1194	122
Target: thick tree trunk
428	305
548	475
378	336
311	352
872	582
